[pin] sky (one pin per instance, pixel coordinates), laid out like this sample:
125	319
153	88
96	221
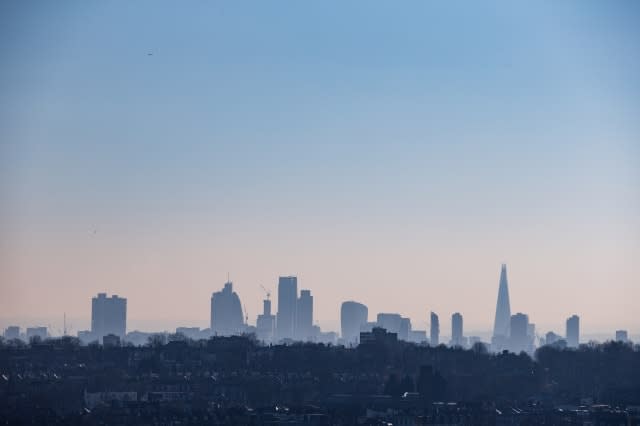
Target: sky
390	153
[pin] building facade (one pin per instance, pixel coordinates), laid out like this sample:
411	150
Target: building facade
226	312
457	332
434	330
390	322
37	332
108	316
503	313
405	329
519	340
353	316
573	331
266	323
622	336
287	304
304	317
12	332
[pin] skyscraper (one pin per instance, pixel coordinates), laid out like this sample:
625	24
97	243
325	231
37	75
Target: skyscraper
266	323
353	316
573	331
390	322
405	329
435	329
456	330
304	316
503	313
226	312
287	301
108	316
519	333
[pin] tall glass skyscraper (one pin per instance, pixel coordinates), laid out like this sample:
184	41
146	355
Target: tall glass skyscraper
435	330
573	331
353	316
226	312
503	313
287	301
457	332
304	317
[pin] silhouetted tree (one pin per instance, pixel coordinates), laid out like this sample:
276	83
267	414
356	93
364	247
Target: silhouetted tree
392	386
407	385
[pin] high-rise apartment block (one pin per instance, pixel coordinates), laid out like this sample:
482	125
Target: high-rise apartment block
108	316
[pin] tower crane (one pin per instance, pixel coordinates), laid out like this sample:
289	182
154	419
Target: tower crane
266	291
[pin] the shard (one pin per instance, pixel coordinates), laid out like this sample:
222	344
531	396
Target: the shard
503	312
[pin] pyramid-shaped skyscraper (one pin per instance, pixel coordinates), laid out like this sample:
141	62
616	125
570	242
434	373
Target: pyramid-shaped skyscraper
503	311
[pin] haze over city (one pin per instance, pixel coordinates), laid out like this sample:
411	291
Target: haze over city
391	155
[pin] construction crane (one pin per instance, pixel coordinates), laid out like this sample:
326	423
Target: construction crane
266	291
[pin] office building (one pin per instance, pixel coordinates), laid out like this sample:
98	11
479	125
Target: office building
457	338
304	317
226	312
622	336
435	330
573	331
551	338
390	322
503	313
353	316
266	323
378	336
519	339
405	329
368	327
325	337
86	336
108	316
531	335
37	332
12	332
287	303
111	340
418	336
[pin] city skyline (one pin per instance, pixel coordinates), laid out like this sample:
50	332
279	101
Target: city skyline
296	322
367	149
327	213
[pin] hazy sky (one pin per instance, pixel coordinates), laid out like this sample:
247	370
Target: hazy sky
394	153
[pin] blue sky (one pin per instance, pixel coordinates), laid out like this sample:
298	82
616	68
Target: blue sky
362	140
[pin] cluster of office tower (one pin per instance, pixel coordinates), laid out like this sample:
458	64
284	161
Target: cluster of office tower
516	334
293	321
